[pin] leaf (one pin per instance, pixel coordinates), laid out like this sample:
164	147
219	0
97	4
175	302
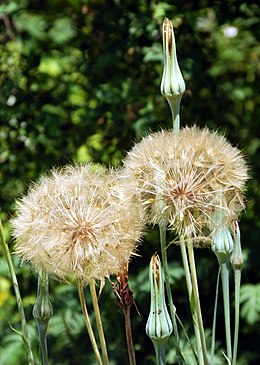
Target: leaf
62	31
33	24
250	300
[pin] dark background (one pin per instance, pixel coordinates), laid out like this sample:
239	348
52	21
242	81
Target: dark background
80	81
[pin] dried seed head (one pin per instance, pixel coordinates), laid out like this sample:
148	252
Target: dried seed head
78	222
181	177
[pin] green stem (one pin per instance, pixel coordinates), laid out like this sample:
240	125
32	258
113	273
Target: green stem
129	338
42	312
160	350
162	229
224	262
214	323
195	291
175	103
99	321
190	293
18	297
237	274
237	263
87	322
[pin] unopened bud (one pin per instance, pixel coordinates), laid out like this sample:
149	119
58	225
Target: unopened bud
223	242
159	326
237	256
172	85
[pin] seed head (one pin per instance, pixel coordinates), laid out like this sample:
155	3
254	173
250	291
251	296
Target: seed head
78	222
181	177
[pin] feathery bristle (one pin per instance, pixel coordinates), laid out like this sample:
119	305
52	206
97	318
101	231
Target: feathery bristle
181	175
78	222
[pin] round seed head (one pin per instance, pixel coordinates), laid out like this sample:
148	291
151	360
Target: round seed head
181	176
78	222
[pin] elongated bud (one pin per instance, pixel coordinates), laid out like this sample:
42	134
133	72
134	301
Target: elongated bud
42	312
172	85
159	326
237	256
42	309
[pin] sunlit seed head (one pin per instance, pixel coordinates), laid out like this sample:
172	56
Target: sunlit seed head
180	176
78	222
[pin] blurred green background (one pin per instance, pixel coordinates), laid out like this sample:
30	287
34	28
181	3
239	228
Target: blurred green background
79	81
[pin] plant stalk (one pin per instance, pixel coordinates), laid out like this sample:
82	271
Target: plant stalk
237	263
190	294
88	323
99	321
237	274
175	103
163	231
129	337
160	351
25	334
212	352
42	312
224	262
195	291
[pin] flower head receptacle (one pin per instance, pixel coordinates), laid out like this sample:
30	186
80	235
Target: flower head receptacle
172	85
159	326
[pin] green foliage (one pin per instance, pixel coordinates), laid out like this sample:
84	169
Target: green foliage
250	299
80	82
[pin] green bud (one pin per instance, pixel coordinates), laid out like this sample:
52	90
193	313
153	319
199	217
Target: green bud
159	326
172	85
223	242
42	312
237	256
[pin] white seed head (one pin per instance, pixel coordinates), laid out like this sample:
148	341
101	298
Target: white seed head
181	175
78	222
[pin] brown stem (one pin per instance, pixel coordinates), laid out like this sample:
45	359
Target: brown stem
129	337
124	298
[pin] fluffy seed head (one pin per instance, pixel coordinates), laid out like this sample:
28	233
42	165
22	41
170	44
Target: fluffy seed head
78	222
181	177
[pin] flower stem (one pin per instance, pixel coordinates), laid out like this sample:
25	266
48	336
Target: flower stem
190	293
237	263
162	229
224	262
129	337
175	103
237	274
25	334
195	291
99	321
87	322
42	312
214	323
160	351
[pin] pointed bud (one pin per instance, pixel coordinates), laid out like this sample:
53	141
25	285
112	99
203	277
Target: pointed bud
237	256
172	81
42	312
172	85
159	326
